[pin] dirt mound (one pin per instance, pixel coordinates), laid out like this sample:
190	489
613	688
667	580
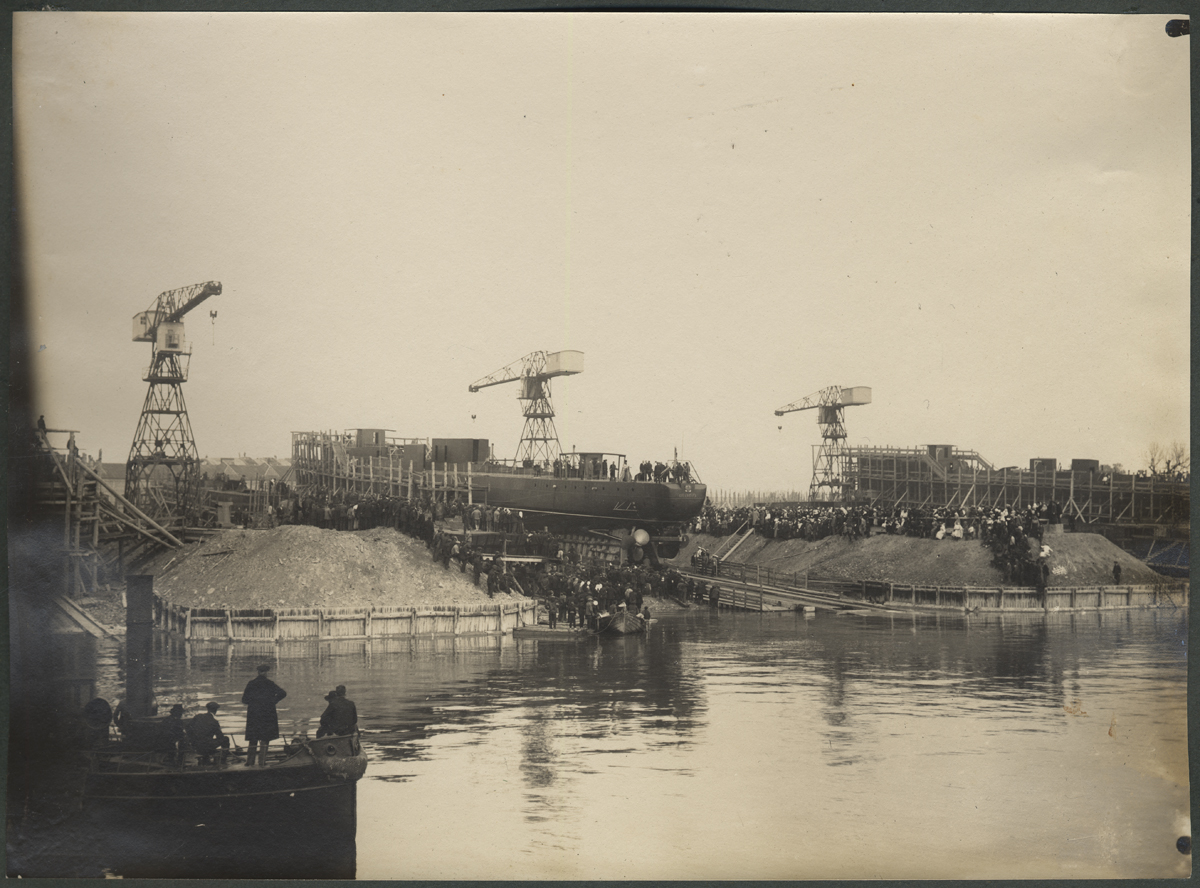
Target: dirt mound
301	566
1086	559
1076	559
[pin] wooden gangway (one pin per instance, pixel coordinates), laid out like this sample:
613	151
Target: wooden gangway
741	594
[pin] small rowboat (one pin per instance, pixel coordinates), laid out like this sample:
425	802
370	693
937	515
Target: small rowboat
621	623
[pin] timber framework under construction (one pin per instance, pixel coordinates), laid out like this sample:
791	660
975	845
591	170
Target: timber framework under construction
944	476
368	461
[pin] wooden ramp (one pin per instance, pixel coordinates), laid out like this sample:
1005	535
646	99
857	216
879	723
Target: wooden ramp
78	618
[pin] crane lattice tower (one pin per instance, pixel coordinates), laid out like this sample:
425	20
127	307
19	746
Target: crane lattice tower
163	458
830	475
539	439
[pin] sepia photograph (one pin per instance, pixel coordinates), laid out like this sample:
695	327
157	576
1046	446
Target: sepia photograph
498	446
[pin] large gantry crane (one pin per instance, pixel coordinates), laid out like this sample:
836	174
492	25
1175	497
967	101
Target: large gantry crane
163	446
829	457
539	439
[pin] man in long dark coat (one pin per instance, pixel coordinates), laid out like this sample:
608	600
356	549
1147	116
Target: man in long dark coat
262	722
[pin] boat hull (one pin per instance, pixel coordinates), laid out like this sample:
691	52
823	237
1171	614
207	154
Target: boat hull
621	623
321	766
571	503
295	818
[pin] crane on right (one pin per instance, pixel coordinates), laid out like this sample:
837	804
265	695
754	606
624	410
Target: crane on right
829	481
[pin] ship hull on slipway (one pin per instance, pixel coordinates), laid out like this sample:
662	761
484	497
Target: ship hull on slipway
583	503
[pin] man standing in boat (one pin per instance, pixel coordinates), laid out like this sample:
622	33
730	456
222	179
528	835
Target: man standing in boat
262	721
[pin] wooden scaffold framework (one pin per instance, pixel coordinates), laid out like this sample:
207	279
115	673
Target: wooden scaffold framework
951	478
326	461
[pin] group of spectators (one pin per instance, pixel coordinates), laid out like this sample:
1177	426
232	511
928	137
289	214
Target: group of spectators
1007	530
659	472
789	522
577	595
817	522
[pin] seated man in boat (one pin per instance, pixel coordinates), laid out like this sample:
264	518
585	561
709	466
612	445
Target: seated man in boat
340	716
170	733
204	734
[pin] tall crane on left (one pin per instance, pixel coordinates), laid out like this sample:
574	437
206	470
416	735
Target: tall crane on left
162	474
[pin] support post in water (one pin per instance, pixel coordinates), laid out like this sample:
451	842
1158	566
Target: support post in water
139	639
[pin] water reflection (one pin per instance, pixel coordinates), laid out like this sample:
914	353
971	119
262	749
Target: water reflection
747	746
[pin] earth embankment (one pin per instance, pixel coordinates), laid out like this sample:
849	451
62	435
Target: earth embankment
1075	559
302	566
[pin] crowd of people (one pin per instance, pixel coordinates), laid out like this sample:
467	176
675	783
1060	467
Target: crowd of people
577	596
817	522
1006	530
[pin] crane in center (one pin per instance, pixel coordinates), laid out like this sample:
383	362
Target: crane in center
539	439
829	481
163	445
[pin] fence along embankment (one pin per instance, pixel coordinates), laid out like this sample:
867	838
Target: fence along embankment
1169	593
342	623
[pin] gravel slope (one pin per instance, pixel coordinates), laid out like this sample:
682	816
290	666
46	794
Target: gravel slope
1076	559
301	566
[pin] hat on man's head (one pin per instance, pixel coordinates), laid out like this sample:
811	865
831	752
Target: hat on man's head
213	706
331	695
177	709
264	668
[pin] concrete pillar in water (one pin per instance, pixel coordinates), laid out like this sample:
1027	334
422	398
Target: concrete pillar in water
139	643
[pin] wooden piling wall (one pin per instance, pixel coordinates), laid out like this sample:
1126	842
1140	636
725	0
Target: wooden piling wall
338	624
1173	594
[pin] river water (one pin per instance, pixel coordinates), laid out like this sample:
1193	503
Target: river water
746	746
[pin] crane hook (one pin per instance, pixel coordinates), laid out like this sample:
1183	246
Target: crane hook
213	314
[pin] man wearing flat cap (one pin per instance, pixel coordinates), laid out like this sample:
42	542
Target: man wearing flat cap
262	722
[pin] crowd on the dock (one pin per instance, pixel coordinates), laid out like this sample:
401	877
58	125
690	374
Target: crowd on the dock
1006	530
813	523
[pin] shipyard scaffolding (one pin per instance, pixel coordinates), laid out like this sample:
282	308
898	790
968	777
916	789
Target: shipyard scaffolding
942	476
368	461
94	531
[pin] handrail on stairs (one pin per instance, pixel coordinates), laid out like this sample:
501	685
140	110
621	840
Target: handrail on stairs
740	539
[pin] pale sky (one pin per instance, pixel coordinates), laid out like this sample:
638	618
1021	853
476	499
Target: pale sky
984	218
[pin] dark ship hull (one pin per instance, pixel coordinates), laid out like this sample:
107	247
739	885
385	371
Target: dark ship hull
583	504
